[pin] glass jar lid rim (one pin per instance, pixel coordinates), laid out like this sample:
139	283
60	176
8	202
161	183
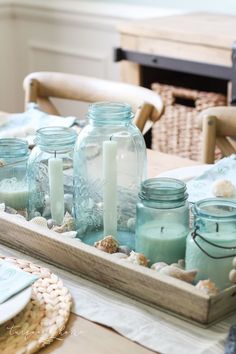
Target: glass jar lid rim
56	137
105	110
162	188
14	147
219	208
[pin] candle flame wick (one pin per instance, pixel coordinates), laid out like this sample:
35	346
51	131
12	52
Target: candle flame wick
110	137
162	229
217	227
55	154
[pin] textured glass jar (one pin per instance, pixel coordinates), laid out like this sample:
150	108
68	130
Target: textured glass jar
162	222
14	154
109	166
212	244
50	173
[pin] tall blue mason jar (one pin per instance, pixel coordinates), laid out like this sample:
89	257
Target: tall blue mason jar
109	166
50	173
14	155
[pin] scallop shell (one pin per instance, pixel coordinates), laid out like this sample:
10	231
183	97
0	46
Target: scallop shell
2	207
175	272
232	276
137	258
208	287
108	244
39	220
68	224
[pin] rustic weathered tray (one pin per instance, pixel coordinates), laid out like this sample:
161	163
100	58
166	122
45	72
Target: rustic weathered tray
146	285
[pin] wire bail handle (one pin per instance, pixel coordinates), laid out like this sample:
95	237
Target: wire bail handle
195	234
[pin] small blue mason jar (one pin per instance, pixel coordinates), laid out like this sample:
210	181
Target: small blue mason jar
14	155
162	223
109	166
211	245
50	173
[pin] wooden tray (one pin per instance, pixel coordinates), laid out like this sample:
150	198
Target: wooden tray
157	290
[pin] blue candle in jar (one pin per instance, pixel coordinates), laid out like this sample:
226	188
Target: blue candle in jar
212	244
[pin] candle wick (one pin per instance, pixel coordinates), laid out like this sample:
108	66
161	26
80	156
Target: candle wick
55	154
162	229
110	137
217	227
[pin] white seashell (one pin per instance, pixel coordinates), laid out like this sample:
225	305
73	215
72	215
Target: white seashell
39	220
120	255
108	244
208	287
71	234
223	188
232	276
175	272
2	207
137	258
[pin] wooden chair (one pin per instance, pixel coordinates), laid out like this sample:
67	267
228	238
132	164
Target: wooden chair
218	125
41	86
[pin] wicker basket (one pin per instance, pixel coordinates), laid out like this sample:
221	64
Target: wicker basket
177	131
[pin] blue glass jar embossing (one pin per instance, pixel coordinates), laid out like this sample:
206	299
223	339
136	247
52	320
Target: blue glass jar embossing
109	166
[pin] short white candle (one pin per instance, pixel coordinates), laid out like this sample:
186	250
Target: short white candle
56	187
110	188
14	193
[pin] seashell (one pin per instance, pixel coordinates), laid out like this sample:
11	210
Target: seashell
120	255
51	223
2	207
71	234
208	287
2	163
232	276
223	188
177	272
39	220
180	264
23	212
124	249
137	258
10	210
108	244
68	224
158	266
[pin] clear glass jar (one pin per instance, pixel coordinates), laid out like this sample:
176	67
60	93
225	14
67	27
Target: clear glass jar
162	223
50	173
212	243
14	155
109	166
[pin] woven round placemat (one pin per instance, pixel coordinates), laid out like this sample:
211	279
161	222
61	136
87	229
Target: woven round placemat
43	319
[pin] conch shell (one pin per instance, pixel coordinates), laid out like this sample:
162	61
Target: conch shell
175	271
68	224
108	244
208	287
137	258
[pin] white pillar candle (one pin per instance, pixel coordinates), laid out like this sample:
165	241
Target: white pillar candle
110	188
56	188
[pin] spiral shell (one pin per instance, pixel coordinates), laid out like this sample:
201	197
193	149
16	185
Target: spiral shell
137	258
208	287
108	244
68	224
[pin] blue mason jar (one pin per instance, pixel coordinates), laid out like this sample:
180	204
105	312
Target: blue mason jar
50	173
211	245
162	223
109	166
14	155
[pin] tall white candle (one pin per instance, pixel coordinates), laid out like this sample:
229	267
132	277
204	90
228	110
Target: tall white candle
110	188
56	187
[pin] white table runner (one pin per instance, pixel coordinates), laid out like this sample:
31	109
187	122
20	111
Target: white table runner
152	328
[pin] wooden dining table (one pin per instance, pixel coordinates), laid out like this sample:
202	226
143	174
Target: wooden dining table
82	336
